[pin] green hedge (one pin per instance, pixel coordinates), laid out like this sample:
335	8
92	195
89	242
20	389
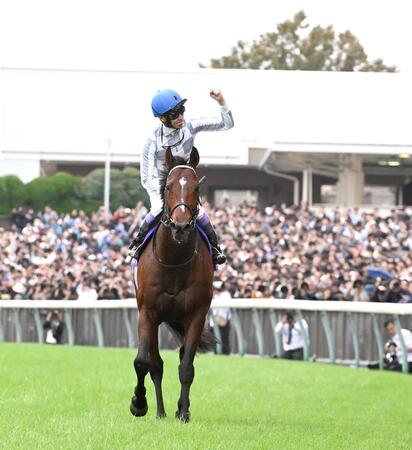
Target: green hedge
12	193
64	192
57	191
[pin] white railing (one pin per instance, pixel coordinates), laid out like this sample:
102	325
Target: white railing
235	305
238	303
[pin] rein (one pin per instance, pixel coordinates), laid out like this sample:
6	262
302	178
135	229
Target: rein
168	223
174	266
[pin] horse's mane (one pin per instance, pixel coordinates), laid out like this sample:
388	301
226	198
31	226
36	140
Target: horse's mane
177	161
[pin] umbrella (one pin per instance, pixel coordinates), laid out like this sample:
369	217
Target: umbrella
375	272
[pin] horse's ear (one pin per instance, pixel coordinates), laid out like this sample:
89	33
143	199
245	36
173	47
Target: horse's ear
194	157
169	158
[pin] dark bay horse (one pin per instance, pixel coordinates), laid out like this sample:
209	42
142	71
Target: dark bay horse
174	285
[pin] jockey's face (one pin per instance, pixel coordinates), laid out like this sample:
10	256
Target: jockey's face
175	123
175	118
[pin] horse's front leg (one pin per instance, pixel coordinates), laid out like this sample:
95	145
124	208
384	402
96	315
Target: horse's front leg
138	406
186	367
156	372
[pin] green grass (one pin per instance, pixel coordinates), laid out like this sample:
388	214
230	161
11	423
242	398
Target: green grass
78	398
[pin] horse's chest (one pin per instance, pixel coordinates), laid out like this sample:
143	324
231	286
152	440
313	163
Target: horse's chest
176	287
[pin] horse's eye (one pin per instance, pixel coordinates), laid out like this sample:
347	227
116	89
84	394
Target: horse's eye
167	188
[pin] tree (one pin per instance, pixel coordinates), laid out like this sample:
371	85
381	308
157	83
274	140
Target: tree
57	191
11	193
125	187
294	47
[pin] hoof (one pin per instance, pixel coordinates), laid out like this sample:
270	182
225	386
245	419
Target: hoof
161	416
138	409
183	417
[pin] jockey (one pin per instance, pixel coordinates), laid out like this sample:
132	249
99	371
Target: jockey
177	134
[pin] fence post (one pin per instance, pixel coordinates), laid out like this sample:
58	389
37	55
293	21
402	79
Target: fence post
1	326
355	339
239	332
17	324
378	338
69	325
98	325
329	337
39	328
273	322
129	332
259	332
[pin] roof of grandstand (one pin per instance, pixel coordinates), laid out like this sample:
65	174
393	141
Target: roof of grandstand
73	114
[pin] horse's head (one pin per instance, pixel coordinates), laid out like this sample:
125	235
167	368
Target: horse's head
181	195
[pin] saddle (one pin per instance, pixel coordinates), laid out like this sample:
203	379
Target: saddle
152	232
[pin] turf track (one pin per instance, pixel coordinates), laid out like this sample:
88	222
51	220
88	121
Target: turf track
78	398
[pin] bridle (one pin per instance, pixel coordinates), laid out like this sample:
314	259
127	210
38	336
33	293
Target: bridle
166	219
168	222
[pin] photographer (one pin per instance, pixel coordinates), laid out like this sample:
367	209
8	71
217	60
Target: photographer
292	336
222	315
393	350
54	327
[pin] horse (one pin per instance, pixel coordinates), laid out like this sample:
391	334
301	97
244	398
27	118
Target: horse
174	285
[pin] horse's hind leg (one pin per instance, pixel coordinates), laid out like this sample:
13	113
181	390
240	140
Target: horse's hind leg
156	373
138	406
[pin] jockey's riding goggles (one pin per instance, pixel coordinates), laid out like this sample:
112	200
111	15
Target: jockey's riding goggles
175	113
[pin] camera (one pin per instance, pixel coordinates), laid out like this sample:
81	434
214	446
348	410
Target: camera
390	359
281	291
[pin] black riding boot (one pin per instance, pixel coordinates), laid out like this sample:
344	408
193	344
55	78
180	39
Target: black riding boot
137	242
218	256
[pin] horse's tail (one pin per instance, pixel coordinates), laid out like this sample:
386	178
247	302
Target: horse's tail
207	342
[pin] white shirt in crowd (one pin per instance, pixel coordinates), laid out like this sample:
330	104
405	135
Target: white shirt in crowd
85	292
296	340
407	339
222	315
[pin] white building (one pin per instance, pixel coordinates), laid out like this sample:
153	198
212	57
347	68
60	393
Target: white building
320	133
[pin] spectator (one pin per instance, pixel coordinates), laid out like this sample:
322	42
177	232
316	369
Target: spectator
281	251
334	292
86	290
54	327
222	316
303	293
292	336
395	339
358	292
393	294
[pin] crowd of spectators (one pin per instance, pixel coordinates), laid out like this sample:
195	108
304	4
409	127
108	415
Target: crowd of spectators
317	254
280	251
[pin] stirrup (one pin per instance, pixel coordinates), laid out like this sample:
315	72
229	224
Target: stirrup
218	256
134	249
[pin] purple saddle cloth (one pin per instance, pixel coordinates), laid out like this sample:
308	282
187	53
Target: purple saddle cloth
152	231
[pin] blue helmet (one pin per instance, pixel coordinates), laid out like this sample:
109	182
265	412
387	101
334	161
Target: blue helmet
165	100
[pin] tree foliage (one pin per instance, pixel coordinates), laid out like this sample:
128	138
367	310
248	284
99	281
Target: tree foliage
125	187
293	46
57	191
64	192
11	193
